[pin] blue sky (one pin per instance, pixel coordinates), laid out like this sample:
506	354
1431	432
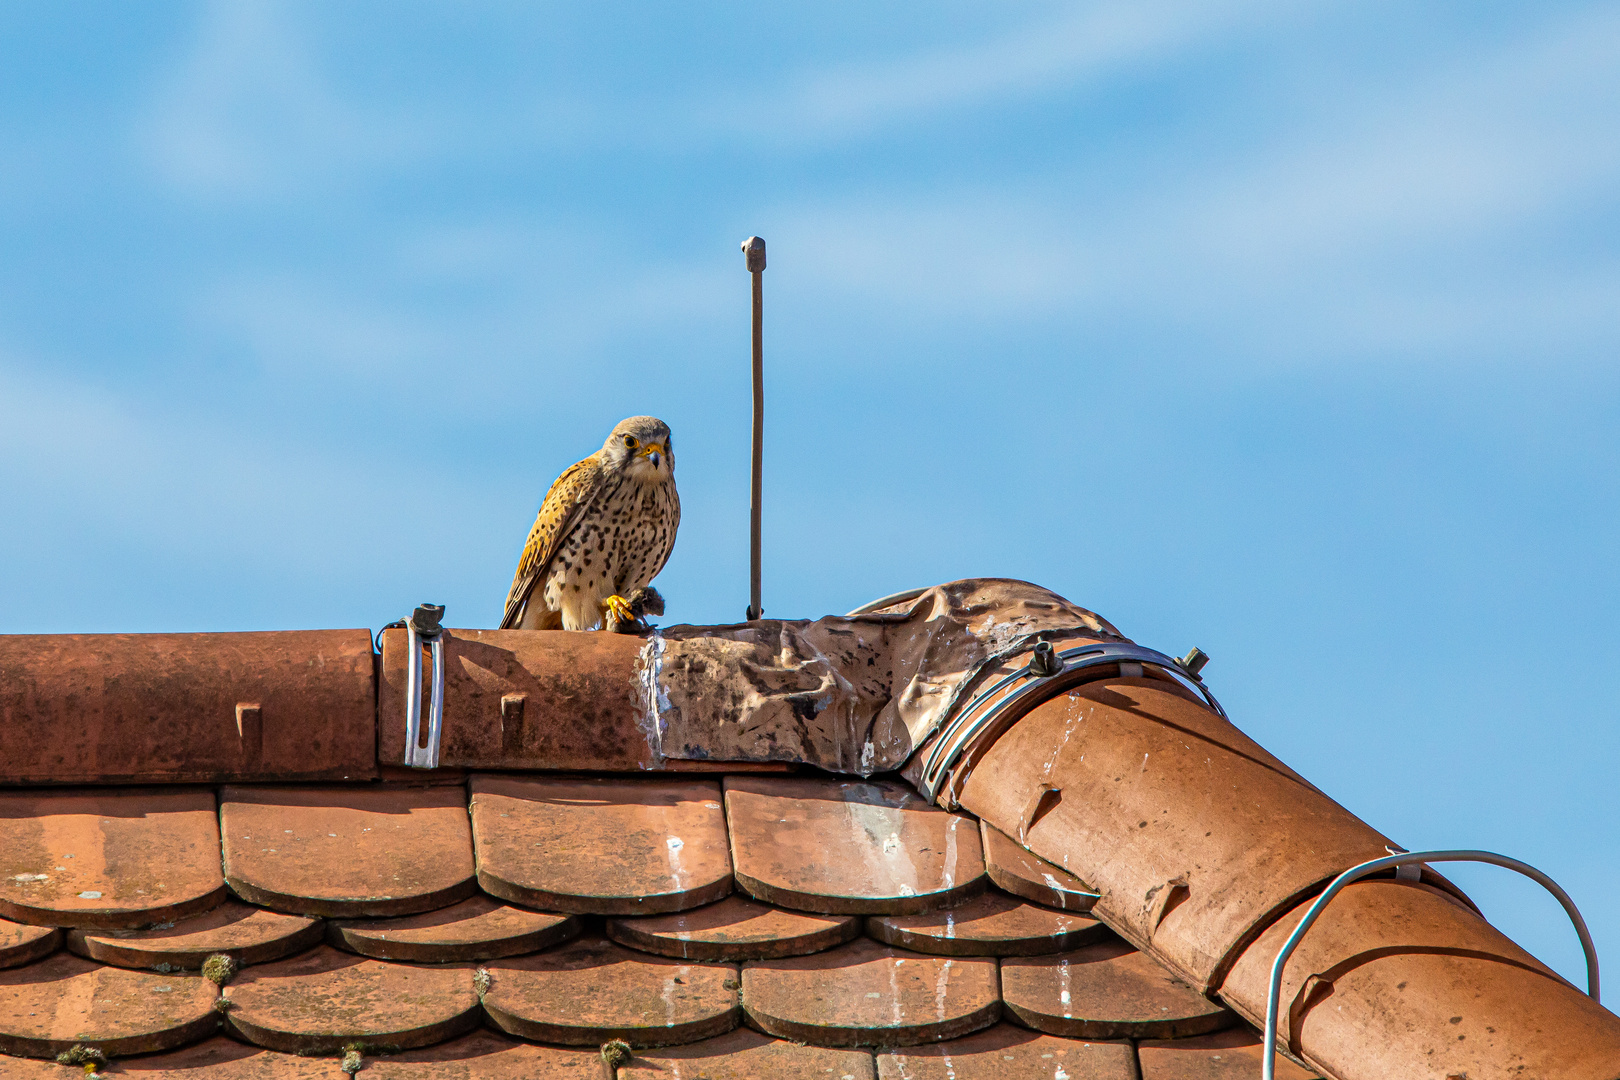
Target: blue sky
1284	329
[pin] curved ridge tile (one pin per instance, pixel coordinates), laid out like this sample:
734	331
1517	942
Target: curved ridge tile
221	1058
601	846
251	934
317	1002
64	999
345	851
478	928
991	924
747	1055
122	858
849	847
23	944
736	928
485	1055
865	994
592	990
1226	1055
1023	873
1008	1051
1106	991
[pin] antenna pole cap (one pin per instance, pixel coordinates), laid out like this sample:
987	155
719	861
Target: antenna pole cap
754	249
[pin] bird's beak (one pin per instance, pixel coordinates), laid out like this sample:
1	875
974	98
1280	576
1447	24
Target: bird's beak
653	452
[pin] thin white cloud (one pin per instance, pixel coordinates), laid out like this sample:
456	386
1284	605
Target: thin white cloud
250	112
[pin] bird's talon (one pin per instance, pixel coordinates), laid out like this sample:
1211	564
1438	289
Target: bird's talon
618	607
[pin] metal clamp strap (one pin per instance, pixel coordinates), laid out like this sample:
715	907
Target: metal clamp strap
1355	873
422	629
996	706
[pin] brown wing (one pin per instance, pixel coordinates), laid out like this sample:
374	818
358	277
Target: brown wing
571	492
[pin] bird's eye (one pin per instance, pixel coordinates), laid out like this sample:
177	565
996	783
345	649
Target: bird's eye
630	442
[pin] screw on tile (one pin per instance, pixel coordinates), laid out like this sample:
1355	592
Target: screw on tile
1044	663
1194	662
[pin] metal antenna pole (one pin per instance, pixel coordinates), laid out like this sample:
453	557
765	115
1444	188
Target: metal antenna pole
754	250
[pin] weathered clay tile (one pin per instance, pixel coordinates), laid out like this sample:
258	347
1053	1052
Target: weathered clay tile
1225	1055
866	994
23	944
1008	1051
592	990
250	934
485	1055
1024	873
1106	991
992	924
64	999
601	846
849	847
736	928
748	1055
109	859
168	708
221	1058
347	851
478	928
324	999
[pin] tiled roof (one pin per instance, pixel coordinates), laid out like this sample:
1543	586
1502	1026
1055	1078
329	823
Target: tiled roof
620	838
511	925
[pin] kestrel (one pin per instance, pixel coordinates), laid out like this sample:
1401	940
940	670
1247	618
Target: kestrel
605	529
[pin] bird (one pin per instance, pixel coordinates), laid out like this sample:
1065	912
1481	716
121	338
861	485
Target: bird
604	531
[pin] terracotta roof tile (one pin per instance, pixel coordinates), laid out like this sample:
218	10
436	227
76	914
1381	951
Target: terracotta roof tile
608	847
1225	1055
748	1055
1024	873
347	851
1106	991
221	1058
486	1055
479	928
121	858
866	994
47	1007
1008	1051
849	847
23	944
249	934
992	924
592	990
324	999
735	929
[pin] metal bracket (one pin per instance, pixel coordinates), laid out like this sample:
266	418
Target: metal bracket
1399	861
423	628
996	706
